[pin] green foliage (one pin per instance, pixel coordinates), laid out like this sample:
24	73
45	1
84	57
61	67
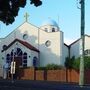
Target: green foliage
69	62
75	63
40	68
50	67
9	9
87	62
36	2
53	67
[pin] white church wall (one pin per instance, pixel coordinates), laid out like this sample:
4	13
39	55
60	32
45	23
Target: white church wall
31	31
65	53
75	49
5	41
8	39
35	54
53	53
48	28
30	53
2	59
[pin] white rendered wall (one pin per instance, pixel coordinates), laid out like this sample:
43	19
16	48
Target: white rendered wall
24	49
87	41
75	49
65	53
1	58
35	54
53	53
49	28
31	31
25	28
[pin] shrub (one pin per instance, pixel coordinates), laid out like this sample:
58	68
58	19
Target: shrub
69	62
40	68
53	67
75	63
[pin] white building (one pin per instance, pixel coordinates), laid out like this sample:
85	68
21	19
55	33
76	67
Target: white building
29	45
32	46
75	47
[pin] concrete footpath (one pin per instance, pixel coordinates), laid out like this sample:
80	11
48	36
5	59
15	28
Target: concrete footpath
39	85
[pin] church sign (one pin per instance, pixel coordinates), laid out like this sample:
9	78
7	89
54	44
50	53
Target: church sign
13	67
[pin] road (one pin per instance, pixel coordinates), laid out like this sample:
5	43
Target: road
38	85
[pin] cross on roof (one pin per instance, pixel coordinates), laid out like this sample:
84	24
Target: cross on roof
26	16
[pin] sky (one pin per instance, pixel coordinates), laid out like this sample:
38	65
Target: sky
64	12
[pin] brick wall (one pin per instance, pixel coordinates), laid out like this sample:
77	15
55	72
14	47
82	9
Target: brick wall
27	74
53	75
87	76
40	75
56	75
72	76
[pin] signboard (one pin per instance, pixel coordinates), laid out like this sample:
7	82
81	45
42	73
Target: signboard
13	67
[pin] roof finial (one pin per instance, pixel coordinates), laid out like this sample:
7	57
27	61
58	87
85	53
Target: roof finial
26	16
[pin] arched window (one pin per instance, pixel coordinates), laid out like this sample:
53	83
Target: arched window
53	29
24	62
8	58
46	29
18	52
35	61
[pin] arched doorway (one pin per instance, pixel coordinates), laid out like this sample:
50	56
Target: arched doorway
16	55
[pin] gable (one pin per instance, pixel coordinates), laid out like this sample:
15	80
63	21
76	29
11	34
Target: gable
26	44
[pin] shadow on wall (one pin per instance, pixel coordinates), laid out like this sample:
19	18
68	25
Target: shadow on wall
33	40
46	54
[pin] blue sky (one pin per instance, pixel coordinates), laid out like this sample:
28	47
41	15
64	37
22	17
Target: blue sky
66	10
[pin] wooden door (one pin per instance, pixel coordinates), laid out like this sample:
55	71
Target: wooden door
18	61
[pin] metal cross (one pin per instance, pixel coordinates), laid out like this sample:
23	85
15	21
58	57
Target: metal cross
26	16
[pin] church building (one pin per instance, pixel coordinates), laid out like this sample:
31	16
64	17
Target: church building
32	46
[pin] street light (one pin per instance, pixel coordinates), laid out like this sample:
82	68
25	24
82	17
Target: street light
81	78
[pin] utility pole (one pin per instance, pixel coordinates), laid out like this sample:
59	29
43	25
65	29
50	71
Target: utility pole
81	78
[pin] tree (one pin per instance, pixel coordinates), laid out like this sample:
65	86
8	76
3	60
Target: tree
9	9
69	62
72	63
76	64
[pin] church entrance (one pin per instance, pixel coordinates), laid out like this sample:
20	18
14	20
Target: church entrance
18	61
20	58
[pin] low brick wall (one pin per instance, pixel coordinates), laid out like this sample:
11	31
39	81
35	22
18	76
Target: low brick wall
62	75
72	76
40	75
27	74
87	77
56	75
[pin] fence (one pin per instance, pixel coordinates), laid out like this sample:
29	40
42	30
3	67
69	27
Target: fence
62	75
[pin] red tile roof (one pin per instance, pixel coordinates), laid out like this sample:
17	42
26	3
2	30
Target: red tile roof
26	44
